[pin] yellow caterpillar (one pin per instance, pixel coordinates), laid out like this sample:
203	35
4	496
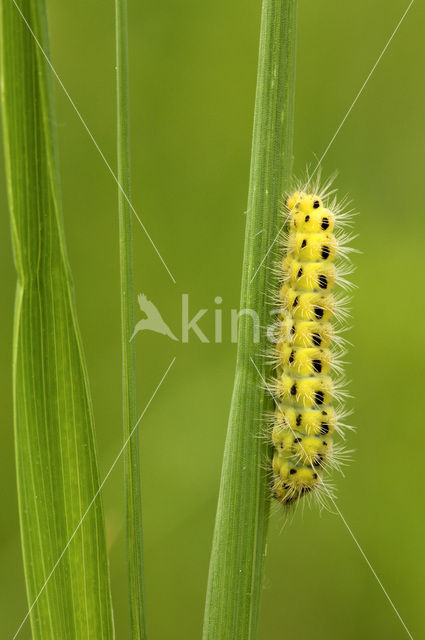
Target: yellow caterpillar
308	347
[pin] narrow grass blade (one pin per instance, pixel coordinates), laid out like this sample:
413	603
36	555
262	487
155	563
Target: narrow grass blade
55	452
132	460
237	558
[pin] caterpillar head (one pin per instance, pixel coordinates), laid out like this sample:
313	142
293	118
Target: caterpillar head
300	201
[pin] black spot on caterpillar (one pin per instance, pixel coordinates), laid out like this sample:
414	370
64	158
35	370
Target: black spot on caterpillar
324	428
323	281
317	365
319	397
325	252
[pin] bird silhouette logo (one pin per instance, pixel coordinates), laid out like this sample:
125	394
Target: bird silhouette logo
153	320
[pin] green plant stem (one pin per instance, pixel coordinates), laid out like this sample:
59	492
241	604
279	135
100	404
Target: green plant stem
237	558
129	388
66	567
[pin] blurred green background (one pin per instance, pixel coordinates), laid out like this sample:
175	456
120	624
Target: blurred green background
193	70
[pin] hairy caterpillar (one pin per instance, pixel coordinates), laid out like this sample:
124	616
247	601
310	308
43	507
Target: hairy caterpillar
309	347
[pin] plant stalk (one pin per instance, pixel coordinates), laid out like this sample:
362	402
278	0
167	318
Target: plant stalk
238	550
134	533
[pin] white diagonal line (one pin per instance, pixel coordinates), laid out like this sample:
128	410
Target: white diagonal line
369	564
93	499
340	126
339	513
102	155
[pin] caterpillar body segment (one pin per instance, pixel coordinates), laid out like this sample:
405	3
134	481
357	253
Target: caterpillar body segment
304	333
307	395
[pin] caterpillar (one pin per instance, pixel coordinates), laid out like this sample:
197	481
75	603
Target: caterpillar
309	346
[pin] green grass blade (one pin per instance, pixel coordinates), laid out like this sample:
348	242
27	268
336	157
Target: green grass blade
55	451
237	558
132	460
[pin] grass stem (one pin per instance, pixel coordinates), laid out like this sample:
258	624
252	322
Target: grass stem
129	388
237	557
